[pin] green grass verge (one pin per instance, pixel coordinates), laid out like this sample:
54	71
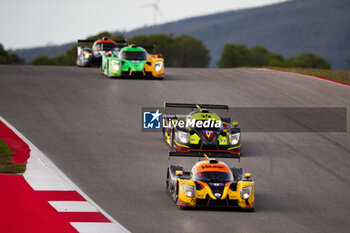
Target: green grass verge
342	76
6	165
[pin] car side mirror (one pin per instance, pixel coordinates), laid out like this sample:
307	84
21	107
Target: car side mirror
179	173
247	175
108	54
235	124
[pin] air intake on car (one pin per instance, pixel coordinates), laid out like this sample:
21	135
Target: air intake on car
213	161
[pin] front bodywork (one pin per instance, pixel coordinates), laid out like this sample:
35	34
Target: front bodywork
87	57
93	56
115	66
189	193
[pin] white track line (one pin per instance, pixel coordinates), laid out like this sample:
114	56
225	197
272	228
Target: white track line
42	177
42	174
96	227
73	206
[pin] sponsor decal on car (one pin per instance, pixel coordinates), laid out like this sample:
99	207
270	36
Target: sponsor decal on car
212	166
208	133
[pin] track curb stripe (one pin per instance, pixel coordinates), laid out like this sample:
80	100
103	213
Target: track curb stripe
61	194
313	76
72	206
20	149
93	227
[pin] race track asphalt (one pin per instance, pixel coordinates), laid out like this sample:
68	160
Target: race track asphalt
90	127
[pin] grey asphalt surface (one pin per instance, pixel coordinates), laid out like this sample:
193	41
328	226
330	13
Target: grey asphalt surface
89	126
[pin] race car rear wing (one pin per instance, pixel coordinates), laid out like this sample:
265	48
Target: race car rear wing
91	41
204	154
120	43
182	105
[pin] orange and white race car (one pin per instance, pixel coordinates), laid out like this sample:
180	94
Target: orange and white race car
210	183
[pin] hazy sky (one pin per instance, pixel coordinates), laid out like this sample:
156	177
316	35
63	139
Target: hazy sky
28	23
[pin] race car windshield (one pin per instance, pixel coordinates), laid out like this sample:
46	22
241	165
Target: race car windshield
213	177
105	46
133	55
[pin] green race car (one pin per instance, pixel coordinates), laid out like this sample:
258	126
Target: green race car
133	61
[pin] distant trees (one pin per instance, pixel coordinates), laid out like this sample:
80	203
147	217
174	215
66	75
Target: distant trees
42	60
238	55
164	44
190	52
234	55
9	58
308	60
275	60
69	58
180	51
187	51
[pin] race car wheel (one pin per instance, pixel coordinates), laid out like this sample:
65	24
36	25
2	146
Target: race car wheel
107	69
176	193
163	132
249	209
102	69
167	180
172	138
176	197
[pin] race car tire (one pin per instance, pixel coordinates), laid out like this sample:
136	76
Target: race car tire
248	209
102	69
176	194
107	69
167	180
172	138
176	197
163	132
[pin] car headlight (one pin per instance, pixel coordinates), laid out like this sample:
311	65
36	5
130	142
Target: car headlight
183	137
116	65
234	138
189	190
246	192
158	66
87	54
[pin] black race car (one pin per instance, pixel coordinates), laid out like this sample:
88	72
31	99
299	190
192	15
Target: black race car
93	56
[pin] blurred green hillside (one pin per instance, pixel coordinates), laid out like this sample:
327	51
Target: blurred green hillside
291	28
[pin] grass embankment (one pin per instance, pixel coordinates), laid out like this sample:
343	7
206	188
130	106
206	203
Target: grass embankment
6	165
342	76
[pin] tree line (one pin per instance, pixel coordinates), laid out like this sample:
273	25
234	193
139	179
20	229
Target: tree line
186	51
238	55
179	51
9	58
